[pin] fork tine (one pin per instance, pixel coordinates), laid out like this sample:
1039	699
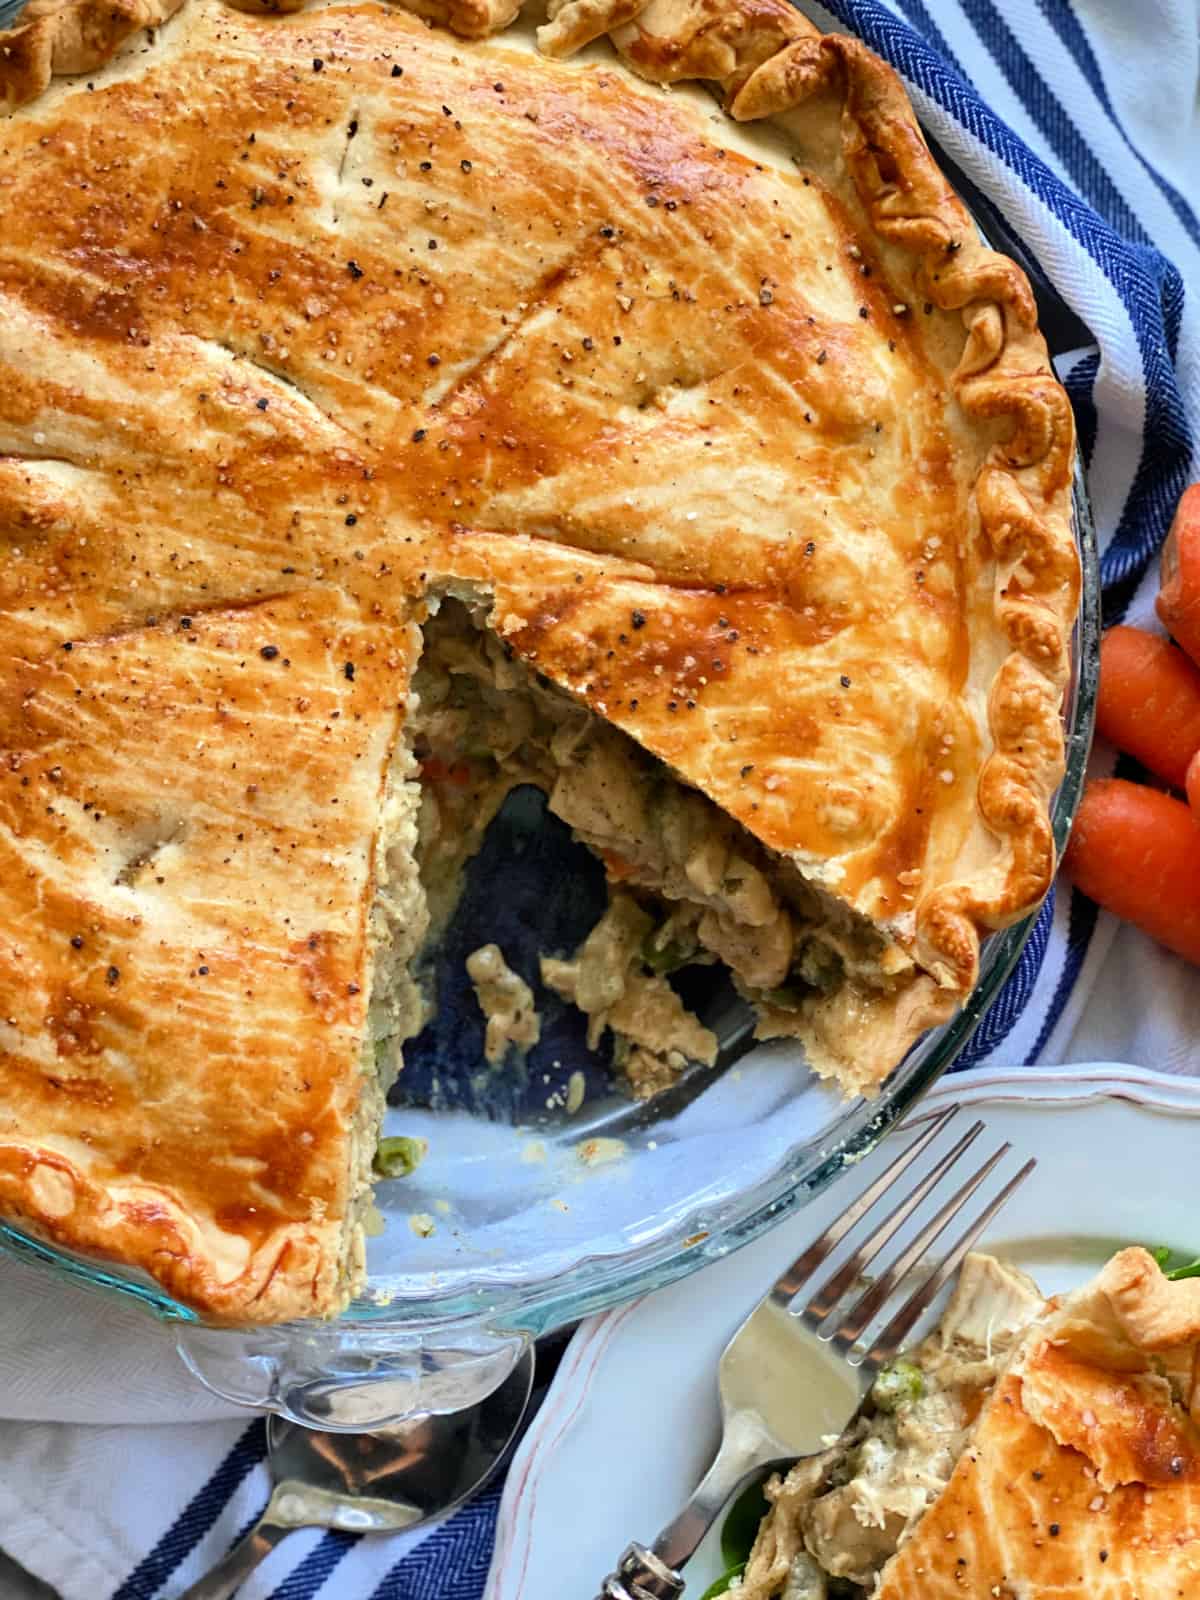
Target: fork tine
858	1317
822	1302
887	1344
792	1279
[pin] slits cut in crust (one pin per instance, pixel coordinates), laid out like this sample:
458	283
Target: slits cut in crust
1083	1473
759	458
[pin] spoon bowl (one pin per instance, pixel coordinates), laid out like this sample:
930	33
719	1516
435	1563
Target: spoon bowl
382	1482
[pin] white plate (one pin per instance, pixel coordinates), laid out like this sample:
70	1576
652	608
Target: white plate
631	1421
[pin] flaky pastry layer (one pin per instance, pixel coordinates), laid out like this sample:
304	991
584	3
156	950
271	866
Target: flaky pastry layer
1083	1473
762	459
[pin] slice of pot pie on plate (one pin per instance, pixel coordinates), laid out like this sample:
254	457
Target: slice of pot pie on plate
1028	1448
699	466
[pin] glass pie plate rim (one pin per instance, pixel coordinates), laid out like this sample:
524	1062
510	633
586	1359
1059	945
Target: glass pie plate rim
471	1334
384	1357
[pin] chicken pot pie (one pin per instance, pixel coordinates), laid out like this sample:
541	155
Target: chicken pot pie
1029	1448
386	418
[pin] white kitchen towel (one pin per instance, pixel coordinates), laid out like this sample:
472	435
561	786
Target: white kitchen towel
131	1512
1081	123
122	1479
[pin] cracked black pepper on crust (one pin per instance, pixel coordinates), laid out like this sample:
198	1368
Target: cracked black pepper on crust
787	492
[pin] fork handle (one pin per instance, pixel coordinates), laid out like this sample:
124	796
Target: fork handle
640	1575
652	1574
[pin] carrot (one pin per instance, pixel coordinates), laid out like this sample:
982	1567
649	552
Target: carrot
1137	851
435	770
1179	595
1149	701
1193	785
617	865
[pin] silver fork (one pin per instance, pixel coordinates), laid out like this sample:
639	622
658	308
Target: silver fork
793	1375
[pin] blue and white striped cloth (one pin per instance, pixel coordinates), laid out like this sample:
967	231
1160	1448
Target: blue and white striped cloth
1079	120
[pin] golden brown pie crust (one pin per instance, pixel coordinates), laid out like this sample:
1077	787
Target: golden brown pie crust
767	466
178	1021
1081	1477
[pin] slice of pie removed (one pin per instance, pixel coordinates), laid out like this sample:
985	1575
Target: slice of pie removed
722	467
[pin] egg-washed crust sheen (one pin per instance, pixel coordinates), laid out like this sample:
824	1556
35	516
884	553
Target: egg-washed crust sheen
180	1027
1082	1476
763	460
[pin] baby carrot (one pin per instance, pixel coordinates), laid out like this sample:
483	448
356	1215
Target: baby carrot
1179	596
1193	785
1137	851
1149	701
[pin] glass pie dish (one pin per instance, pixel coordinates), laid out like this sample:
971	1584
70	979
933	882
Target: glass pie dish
514	1225
545	1195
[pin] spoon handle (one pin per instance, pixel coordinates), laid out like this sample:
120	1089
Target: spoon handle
226	1578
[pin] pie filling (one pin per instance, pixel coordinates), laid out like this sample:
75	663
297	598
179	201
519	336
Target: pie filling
687	884
839	1517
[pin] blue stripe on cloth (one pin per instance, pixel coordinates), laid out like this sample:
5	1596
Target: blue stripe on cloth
1174	299
452	1564
1149	286
1005	1011
303	1581
1081	925
1162	472
1052	119
1062	19
1118	597
197	1517
1080	383
922	20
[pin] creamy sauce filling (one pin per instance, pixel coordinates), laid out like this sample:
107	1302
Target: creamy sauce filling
687	883
838	1518
607	979
506	1000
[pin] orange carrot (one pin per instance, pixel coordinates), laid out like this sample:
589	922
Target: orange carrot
1149	701
617	866
1179	595
1193	785
435	770
1137	852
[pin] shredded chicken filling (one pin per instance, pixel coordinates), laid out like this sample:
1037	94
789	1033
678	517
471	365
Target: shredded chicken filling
837	1518
687	883
506	1000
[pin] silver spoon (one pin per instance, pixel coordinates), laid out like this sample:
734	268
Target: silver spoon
374	1482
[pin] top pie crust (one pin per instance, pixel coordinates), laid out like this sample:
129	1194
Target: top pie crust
1082	1475
762	459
